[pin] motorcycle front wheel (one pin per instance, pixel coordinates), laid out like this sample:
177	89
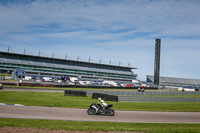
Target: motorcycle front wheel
91	111
110	112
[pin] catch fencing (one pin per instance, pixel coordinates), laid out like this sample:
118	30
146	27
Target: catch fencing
157	99
134	93
131	96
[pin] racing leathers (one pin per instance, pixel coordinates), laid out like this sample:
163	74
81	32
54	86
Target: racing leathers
102	103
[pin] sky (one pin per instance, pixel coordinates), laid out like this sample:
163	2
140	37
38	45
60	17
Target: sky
122	32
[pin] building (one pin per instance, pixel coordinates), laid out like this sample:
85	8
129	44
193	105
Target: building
46	66
180	82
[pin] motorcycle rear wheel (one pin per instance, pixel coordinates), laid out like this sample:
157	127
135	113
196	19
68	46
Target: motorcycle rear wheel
110	112
91	111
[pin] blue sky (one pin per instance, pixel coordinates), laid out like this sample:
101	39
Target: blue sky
118	30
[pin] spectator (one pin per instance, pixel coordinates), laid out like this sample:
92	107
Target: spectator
139	89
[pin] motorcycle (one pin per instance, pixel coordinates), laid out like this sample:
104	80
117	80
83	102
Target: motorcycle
95	106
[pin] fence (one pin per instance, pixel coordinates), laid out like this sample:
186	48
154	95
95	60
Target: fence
128	96
157	99
133	93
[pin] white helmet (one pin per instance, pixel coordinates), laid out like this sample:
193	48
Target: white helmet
99	99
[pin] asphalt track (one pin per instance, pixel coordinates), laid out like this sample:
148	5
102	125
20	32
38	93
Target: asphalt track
51	113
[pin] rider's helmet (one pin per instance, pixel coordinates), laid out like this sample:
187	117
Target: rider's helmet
99	99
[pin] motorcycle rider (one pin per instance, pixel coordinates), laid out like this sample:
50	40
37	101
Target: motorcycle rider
102	103
100	107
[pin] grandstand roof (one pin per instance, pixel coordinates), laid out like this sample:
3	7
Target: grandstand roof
175	81
65	60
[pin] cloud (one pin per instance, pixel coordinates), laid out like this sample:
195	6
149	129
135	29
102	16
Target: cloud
140	15
116	30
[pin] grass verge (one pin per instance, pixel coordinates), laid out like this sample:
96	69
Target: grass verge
101	126
57	99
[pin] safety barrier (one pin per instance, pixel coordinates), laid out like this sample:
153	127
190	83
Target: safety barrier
134	93
1	86
104	87
75	93
43	84
129	96
157	99
105	97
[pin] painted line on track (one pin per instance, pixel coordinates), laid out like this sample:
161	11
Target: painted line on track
11	104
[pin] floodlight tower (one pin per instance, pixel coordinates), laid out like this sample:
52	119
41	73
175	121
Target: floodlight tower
157	62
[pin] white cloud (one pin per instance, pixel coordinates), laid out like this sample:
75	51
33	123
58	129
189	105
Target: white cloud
116	30
148	15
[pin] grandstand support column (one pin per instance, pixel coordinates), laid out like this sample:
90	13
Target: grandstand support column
100	61
65	56
8	48
39	53
24	51
157	62
89	59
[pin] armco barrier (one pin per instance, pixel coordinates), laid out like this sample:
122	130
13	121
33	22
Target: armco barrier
157	99
105	97
144	96
75	93
134	93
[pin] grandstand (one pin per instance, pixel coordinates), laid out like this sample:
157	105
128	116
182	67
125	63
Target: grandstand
181	82
46	66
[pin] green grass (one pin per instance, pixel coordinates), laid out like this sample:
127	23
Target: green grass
57	99
48	99
101	126
160	106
